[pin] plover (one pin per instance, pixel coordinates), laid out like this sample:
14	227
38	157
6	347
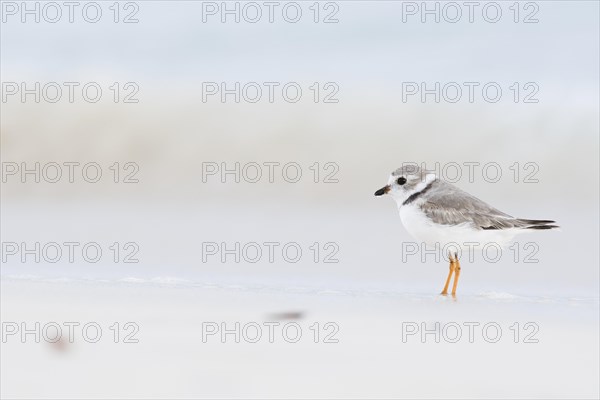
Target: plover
435	212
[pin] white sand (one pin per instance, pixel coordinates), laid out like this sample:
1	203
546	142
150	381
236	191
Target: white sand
370	359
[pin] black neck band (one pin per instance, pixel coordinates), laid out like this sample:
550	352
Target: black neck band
415	196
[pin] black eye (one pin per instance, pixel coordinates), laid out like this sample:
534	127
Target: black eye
401	180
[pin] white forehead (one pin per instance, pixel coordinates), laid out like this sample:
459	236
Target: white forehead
427	177
405	170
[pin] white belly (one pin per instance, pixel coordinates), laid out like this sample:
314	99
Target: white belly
424	230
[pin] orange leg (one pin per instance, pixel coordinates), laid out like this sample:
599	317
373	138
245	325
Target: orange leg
453	262
456	275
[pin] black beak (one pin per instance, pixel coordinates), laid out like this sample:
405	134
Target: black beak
382	191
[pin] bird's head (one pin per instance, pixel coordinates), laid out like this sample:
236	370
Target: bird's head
406	181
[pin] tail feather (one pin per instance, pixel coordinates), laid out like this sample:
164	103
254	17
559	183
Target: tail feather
542	227
536	221
538	224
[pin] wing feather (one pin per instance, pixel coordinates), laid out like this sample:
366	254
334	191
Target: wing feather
446	204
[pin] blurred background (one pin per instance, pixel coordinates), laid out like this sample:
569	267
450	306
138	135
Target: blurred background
166	131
